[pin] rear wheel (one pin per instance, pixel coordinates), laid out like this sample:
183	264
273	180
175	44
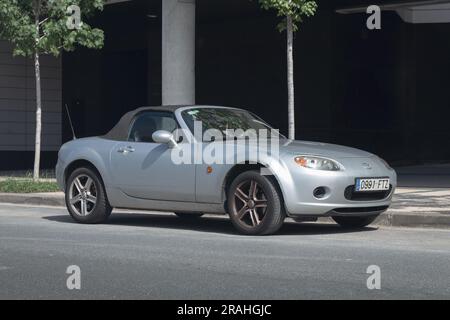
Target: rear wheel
255	205
86	197
355	222
189	215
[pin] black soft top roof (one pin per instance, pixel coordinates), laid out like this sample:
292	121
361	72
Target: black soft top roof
120	130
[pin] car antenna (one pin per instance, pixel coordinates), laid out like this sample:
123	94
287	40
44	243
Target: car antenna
70	121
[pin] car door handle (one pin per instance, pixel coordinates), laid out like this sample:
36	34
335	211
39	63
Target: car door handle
125	150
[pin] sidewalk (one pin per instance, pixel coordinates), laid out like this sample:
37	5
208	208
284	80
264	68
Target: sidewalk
421	207
411	207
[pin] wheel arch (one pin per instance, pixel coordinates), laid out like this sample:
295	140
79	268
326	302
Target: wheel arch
81	163
239	168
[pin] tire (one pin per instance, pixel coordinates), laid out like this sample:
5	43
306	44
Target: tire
258	210
92	195
355	222
189	215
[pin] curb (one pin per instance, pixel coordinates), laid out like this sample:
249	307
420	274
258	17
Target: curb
390	218
413	220
40	199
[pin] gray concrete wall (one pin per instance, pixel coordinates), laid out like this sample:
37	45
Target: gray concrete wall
17	102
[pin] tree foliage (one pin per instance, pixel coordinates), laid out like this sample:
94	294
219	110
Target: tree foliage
18	25
296	9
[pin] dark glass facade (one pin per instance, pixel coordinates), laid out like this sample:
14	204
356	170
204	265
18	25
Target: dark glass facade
385	91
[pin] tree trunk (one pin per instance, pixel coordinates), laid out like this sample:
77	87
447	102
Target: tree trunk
290	77
37	149
37	70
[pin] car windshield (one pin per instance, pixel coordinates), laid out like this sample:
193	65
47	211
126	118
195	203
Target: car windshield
227	121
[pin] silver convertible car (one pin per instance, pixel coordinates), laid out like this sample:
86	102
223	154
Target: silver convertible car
193	160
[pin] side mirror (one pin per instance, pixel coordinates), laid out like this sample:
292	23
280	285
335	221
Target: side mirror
162	136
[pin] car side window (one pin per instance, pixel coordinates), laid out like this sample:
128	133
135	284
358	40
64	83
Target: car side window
146	123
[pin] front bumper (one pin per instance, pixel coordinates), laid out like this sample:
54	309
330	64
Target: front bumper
339	200
338	208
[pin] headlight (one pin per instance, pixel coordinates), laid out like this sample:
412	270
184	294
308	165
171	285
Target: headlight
317	163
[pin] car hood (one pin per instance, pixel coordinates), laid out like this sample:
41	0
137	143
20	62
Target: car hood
294	147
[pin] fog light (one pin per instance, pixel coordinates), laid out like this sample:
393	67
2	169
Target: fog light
320	192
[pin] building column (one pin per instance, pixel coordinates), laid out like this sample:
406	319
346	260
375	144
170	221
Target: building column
178	52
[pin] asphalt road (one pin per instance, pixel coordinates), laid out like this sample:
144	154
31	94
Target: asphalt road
160	256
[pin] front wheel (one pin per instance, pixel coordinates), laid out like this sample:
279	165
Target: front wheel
86	197
355	222
255	204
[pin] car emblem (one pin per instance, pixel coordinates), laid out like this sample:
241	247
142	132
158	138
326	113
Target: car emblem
366	166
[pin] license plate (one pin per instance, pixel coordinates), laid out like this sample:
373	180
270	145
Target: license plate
371	184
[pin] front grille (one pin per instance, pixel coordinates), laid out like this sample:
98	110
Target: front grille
350	194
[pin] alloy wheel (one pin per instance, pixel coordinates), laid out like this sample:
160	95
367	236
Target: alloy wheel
83	195
250	203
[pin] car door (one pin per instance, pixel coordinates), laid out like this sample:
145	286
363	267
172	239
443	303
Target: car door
144	169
